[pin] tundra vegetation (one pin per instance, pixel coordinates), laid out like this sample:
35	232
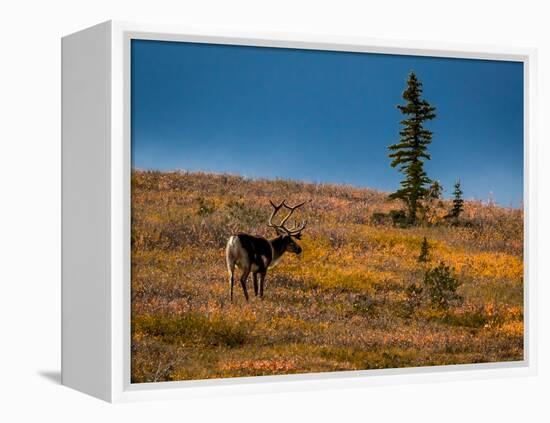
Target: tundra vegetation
369	290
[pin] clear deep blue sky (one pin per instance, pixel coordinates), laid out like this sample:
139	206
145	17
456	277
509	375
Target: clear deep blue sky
323	116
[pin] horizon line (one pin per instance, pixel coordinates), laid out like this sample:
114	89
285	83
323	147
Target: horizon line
487	201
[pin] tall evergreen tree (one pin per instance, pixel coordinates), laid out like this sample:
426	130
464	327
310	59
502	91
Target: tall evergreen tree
458	202
411	151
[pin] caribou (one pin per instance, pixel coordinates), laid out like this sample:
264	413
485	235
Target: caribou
255	254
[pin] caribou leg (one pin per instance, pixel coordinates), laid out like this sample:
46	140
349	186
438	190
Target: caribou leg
262	281
255	278
231	271
244	277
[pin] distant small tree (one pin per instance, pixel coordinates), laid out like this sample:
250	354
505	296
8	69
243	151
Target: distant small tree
411	151
441	285
458	202
435	191
424	256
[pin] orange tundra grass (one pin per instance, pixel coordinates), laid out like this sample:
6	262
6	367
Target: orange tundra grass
341	305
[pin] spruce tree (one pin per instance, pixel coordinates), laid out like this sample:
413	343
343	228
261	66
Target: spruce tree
410	152
458	202
424	256
435	191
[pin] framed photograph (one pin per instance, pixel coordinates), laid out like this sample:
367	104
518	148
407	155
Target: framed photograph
259	212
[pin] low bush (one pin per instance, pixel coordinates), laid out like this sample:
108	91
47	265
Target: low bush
441	285
399	218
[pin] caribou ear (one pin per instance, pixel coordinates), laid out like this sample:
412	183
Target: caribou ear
298	235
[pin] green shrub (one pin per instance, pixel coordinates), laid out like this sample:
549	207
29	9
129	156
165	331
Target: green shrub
400	218
441	286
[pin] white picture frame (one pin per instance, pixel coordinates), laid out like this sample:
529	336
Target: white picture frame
96	213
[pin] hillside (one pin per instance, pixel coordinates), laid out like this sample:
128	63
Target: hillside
342	305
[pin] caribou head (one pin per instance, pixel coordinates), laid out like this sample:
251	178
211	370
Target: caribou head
286	236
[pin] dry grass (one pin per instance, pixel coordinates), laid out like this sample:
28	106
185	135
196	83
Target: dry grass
342	305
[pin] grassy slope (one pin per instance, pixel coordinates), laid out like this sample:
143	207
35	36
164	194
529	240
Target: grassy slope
340	306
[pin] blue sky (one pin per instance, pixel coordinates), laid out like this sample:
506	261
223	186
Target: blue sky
323	116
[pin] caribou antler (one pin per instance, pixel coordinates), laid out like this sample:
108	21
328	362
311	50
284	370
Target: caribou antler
296	229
